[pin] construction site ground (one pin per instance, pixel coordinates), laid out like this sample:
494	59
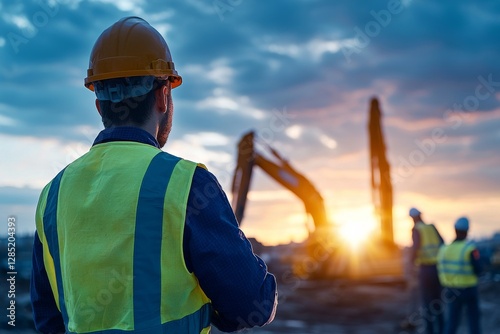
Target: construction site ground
333	307
317	306
345	307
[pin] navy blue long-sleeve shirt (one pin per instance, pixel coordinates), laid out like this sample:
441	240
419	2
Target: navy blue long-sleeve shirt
242	291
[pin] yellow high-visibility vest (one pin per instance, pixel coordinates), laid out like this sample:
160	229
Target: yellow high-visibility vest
454	266
112	225
429	244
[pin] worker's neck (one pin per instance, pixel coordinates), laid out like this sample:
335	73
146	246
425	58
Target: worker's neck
148	126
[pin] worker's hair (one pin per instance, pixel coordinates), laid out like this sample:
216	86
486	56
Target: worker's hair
136	110
461	234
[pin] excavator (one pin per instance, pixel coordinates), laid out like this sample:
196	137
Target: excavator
324	254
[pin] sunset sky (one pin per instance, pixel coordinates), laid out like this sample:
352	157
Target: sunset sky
301	74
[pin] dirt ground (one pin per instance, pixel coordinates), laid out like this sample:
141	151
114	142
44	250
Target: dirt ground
308	307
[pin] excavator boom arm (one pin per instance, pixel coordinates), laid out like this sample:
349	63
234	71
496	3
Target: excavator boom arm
282	172
380	173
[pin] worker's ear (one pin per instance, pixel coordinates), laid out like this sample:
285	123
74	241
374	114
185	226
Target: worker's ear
98	107
161	96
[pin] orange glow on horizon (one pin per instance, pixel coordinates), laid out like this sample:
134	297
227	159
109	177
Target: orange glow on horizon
280	219
354	234
354	226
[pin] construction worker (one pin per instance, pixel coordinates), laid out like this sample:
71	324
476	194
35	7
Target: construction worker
459	267
426	243
130	238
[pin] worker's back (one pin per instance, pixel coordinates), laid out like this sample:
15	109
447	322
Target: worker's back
119	231
430	242
454	265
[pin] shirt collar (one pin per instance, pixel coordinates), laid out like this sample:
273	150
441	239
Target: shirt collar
126	133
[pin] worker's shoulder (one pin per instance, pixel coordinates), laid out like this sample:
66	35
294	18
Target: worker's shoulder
425	226
205	184
203	176
470	244
44	193
42	198
432	226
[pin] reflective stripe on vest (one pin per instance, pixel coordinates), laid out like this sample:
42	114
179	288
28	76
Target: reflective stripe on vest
132	277
189	324
429	244
52	240
454	265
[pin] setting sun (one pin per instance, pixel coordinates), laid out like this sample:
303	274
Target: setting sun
354	234
355	225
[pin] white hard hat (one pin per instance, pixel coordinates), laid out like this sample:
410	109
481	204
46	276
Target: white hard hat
462	224
414	212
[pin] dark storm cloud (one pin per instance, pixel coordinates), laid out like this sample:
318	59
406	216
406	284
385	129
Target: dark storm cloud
440	49
44	68
279	54
436	49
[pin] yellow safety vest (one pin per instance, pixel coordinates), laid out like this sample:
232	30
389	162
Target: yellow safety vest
454	265
429	244
112	225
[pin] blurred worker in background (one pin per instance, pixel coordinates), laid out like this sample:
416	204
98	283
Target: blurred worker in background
426	243
131	238
459	268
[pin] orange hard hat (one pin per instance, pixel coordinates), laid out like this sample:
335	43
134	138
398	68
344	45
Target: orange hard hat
129	48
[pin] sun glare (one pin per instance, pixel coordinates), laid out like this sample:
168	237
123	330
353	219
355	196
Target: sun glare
355	226
354	234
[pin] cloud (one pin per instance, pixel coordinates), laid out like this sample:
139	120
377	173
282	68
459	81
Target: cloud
20	203
22	196
425	63
298	132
